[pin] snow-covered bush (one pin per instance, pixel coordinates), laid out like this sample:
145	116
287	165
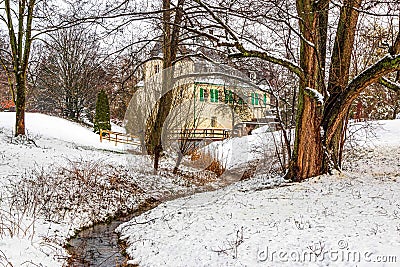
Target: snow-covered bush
91	190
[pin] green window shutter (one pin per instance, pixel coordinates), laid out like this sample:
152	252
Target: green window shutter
252	99
255	98
214	95
265	99
228	96
201	94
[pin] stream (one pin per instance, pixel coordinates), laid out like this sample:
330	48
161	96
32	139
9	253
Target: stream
98	245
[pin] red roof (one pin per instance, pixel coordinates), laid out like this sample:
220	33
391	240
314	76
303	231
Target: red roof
6	104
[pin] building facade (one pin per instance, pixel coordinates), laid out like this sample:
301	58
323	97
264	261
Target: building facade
214	96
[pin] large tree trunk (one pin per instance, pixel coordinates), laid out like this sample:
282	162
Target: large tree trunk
306	160
338	80
341	94
321	123
334	117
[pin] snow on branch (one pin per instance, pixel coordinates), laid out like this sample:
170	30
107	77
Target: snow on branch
389	63
373	74
319	98
394	86
249	53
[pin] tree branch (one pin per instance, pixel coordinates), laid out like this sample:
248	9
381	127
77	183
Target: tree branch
249	53
389	84
369	76
293	67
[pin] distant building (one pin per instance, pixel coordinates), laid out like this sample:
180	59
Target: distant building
7	105
216	101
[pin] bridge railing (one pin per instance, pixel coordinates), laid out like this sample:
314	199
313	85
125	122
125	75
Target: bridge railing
118	137
213	134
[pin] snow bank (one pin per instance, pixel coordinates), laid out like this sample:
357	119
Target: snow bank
76	186
347	219
45	126
261	144
239	151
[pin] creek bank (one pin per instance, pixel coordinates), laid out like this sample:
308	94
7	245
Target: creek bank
99	245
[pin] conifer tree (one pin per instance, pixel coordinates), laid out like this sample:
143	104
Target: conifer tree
102	117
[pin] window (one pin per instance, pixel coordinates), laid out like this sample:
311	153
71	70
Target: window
156	69
254	99
213	122
265	99
228	96
214	95
202	94
253	75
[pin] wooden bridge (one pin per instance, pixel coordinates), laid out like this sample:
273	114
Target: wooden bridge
191	135
200	134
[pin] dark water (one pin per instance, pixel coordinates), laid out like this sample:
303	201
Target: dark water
98	245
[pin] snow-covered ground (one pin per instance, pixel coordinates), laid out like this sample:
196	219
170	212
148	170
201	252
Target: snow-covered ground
57	142
76	180
347	219
64	180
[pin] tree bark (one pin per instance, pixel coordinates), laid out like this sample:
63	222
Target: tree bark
338	111
338	80
20	106
306	160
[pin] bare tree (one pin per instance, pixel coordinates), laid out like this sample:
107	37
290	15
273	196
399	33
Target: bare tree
166	26
323	101
5	94
25	21
71	74
18	18
123	78
377	101
171	22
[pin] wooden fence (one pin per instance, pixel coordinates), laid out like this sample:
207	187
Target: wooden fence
119	137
